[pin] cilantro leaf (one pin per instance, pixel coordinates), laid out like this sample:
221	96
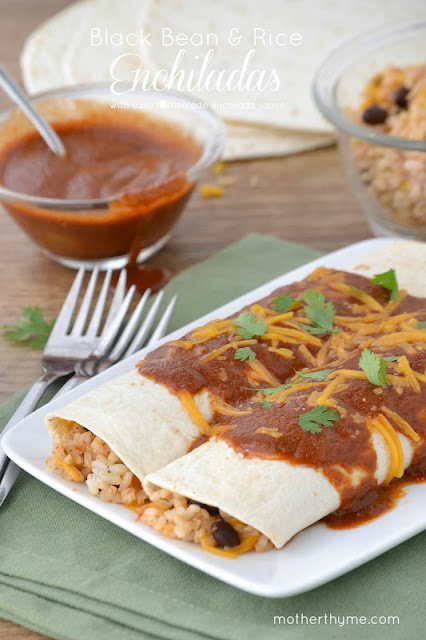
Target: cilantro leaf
391	358
321	314
388	281
247	326
359	292
266	404
282	303
269	391
421	325
374	367
319	376
32	328
245	353
321	414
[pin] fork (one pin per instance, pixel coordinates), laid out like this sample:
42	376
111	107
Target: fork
65	348
131	339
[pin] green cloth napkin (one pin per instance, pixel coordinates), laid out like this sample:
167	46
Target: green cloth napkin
69	574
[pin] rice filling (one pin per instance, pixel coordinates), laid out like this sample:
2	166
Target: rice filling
80	456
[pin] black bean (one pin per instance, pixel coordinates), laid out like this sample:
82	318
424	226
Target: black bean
375	115
400	97
213	511
224	534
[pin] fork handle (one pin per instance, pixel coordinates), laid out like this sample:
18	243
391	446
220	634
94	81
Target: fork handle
27	405
9	478
72	383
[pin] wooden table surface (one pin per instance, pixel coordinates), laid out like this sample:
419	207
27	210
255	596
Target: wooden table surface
303	198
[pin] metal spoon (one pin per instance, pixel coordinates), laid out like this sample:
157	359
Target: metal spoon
15	92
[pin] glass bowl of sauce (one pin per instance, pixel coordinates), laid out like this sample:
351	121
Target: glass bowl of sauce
132	163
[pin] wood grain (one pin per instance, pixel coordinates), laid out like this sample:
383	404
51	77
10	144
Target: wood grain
304	199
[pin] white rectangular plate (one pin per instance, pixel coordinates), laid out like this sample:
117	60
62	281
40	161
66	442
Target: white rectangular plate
315	556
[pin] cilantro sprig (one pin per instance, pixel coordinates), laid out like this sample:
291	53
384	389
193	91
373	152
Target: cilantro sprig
421	325
374	367
245	353
32	328
320	415
282	304
247	325
321	314
318	376
266	404
269	391
388	281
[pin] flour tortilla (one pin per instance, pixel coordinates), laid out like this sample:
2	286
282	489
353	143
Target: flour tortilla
407	258
43	52
141	421
84	62
276	498
323	25
245	141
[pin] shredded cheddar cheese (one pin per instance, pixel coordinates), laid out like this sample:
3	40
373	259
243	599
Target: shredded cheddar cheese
307	355
399	463
330	388
280	318
398	337
406	370
364	297
195	414
211	191
262	373
218	168
375	424
384	427
300	336
225	409
285	353
69	469
219	428
231	345
232	553
151	505
261	311
403	424
184	344
280	396
270	432
270	335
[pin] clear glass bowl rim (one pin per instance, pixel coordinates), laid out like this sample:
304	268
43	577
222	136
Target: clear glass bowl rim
212	149
327	77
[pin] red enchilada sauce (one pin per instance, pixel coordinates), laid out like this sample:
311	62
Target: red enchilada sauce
376	501
137	162
338	449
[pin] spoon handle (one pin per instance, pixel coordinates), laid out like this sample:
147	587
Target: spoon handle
15	92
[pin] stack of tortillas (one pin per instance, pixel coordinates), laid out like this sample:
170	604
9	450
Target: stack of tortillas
279	121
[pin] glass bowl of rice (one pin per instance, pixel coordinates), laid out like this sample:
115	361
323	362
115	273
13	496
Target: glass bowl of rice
373	90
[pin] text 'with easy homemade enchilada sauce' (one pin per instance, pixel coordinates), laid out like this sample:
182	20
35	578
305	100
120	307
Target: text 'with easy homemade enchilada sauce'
343	452
139	165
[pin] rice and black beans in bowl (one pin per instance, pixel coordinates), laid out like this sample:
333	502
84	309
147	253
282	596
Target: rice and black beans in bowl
372	89
394	103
